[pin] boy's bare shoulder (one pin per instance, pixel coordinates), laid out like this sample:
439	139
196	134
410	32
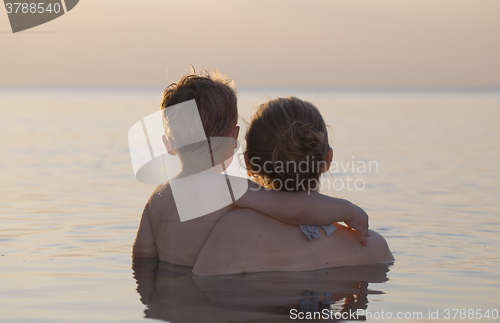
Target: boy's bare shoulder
161	193
161	203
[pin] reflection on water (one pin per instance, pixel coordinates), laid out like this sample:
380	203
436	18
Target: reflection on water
172	293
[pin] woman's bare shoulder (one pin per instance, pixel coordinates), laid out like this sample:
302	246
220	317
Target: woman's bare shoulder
240	242
236	218
245	241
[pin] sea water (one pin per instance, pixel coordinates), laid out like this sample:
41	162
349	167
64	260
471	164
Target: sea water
70	206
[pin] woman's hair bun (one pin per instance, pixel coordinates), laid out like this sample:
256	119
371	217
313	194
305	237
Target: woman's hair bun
299	141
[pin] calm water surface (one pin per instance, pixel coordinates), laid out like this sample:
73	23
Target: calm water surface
69	209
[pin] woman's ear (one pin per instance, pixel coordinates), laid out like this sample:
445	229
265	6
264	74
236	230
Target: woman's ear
329	158
168	145
247	162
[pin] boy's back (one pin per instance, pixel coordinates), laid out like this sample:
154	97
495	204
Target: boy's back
178	242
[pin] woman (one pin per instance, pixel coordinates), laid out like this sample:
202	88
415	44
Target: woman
287	149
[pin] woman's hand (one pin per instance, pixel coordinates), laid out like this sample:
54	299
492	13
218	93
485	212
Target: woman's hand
359	223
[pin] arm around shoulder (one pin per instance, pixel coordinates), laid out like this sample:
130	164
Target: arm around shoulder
296	208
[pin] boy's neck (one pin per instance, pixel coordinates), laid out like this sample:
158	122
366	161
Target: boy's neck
216	157
191	166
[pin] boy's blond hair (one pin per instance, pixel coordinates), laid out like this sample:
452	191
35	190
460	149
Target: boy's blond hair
215	97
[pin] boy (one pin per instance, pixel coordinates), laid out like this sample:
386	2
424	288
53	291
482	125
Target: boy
163	234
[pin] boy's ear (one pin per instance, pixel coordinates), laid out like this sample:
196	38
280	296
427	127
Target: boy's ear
168	145
329	158
235	132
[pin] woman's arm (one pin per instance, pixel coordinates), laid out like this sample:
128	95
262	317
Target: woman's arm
304	208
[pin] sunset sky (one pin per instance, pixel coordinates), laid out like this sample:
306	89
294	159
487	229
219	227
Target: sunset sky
277	43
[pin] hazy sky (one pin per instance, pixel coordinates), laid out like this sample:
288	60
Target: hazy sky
351	43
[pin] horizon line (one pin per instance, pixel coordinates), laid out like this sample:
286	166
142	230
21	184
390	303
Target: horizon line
267	88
